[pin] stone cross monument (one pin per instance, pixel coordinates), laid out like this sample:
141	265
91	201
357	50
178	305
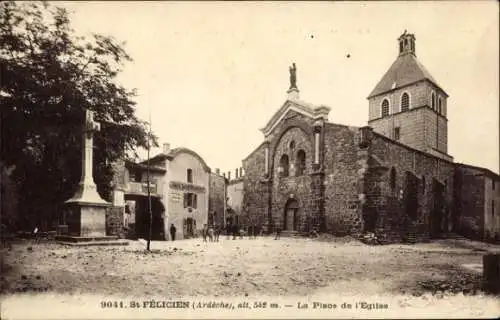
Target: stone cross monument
87	209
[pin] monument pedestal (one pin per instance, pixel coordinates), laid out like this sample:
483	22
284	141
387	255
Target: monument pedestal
87	210
87	220
87	225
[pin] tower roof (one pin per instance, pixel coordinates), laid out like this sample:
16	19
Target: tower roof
405	70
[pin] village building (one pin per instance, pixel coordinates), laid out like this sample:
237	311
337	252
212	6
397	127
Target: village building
393	178
477	197
234	207
183	192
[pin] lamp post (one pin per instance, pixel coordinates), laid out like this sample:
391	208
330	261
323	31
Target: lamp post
150	231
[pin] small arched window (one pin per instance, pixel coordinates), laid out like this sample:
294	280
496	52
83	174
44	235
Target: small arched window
393	179
300	164
385	108
189	174
284	166
440	106
405	102
433	101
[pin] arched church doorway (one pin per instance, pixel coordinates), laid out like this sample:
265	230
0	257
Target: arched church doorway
437	213
291	215
411	195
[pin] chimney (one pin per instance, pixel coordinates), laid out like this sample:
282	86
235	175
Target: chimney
229	175
241	172
224	174
236	177
217	171
166	148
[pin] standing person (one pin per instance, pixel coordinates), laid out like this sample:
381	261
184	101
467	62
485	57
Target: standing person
228	230
217	232
278	231
36	235
270	229
172	232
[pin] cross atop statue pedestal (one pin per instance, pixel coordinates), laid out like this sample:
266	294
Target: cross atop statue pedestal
87	210
87	190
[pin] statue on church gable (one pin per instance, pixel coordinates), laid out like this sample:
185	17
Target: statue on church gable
293	76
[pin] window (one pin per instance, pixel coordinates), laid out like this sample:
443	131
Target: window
393	179
493	208
440	110
405	102
284	166
190	200
423	184
300	163
190	175
385	108
493	184
135	176
396	133
292	145
433	101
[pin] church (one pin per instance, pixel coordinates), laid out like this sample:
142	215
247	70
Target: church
393	178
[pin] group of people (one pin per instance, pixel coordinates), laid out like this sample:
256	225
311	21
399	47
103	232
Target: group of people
212	233
238	231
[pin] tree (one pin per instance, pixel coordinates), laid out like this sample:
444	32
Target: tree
49	76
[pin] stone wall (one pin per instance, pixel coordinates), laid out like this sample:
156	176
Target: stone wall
394	169
470	201
216	198
492	208
256	197
341	181
436	130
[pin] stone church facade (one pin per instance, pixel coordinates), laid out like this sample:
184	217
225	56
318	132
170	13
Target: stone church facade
393	177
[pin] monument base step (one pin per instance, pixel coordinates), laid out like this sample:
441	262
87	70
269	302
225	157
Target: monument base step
95	243
68	238
292	233
90	241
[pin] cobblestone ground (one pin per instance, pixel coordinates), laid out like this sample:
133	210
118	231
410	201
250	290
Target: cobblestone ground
246	268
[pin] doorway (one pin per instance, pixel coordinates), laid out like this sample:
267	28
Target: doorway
411	195
291	215
437	212
189	227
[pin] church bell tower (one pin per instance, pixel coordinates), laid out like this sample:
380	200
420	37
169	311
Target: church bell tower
408	105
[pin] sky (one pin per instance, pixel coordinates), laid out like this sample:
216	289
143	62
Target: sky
211	74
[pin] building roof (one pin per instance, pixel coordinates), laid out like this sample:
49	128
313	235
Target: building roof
141	166
174	152
404	71
487	172
302	107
